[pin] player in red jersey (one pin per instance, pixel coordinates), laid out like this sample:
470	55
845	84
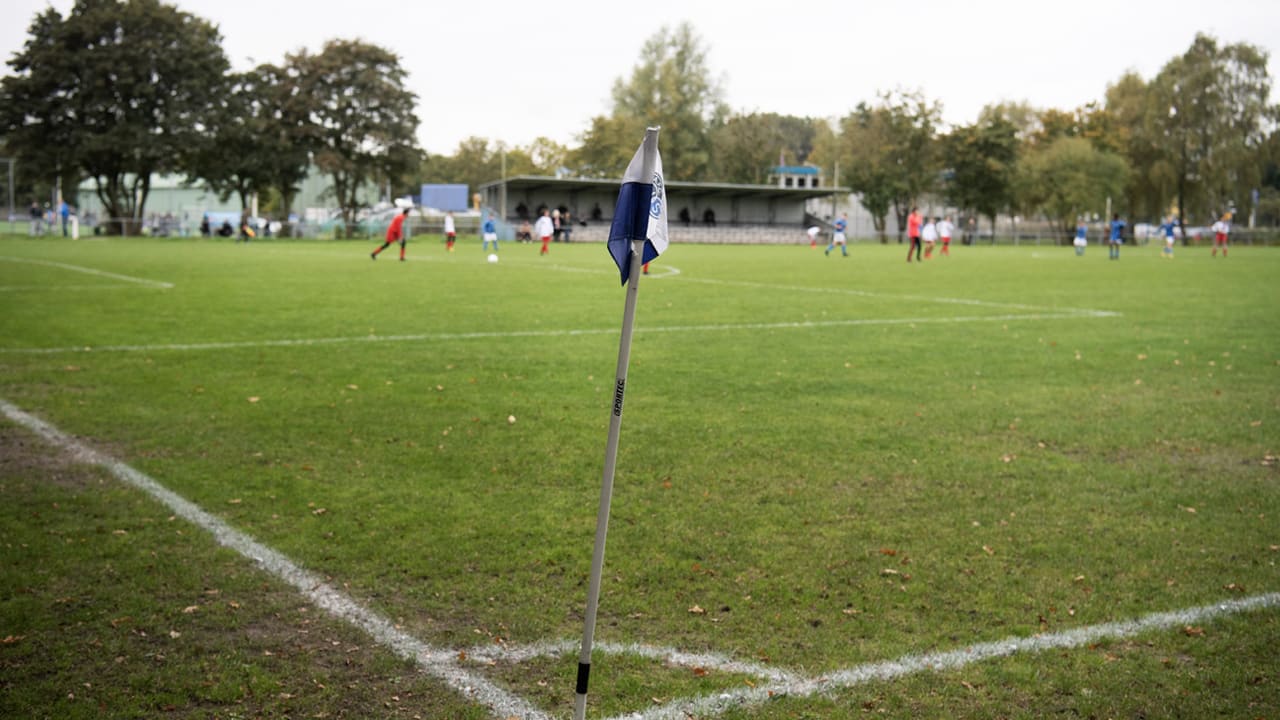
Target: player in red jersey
395	233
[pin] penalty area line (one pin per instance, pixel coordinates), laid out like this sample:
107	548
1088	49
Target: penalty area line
441	664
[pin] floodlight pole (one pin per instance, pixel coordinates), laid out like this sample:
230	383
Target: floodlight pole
606	489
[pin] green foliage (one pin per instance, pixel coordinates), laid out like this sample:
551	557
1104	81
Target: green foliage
796	427
1210	111
983	161
890	154
1070	177
671	87
116	91
744	147
364	120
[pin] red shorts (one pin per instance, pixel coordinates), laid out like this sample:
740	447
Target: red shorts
1220	238
451	235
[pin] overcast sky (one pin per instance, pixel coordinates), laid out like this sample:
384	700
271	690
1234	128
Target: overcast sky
514	71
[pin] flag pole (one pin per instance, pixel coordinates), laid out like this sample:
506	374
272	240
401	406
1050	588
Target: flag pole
606	489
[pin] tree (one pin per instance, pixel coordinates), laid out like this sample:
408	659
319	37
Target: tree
1125	126
118	91
745	146
887	155
983	158
363	117
1209	108
1068	177
672	87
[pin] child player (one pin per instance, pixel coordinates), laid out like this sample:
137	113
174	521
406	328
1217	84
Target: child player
544	229
450	232
395	233
1221	231
945	229
1167	229
490	234
837	237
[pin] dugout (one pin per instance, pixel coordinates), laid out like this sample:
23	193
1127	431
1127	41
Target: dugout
696	212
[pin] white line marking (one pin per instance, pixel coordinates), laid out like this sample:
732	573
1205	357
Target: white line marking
60	288
90	271
446	337
441	664
710	705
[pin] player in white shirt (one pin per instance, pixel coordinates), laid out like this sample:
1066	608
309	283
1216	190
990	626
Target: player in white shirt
945	230
929	234
544	229
1221	233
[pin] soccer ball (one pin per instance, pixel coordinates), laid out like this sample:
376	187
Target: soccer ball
493	257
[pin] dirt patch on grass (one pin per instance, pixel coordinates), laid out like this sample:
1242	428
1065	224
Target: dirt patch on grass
23	455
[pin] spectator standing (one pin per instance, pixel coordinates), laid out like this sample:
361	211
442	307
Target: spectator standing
37	219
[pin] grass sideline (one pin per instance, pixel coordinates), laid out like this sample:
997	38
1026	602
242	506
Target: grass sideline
825	462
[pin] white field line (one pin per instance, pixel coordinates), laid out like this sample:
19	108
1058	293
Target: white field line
90	271
711	705
60	288
448	337
441	664
514	655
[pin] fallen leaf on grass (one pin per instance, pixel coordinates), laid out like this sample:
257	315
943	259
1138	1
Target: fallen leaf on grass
1190	631
11	639
696	610
699	671
190	609
353	387
175	634
319	511
987	549
234	501
254	399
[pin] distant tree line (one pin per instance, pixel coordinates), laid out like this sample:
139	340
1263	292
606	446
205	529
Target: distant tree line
120	89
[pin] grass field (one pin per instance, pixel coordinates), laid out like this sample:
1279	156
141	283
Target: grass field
826	464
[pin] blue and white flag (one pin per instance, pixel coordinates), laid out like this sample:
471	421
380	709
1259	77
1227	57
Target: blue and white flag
641	213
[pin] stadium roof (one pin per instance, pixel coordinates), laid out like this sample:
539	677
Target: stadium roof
684	189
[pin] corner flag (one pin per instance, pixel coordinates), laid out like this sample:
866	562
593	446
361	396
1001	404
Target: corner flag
638	235
641	213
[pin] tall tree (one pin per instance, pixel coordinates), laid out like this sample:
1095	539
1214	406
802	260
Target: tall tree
745	146
888	155
1068	177
672	86
118	90
364	118
1210	107
983	159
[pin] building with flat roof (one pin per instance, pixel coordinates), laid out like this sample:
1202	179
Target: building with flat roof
696	212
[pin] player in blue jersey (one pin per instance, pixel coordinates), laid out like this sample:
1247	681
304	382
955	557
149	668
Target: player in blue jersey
489	233
837	237
1082	237
1117	236
1167	229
